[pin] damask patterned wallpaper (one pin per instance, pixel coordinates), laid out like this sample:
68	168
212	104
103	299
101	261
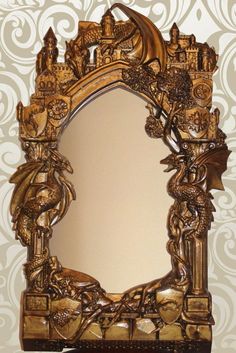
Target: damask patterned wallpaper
23	25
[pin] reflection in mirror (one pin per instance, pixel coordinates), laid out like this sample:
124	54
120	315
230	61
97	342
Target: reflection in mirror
116	228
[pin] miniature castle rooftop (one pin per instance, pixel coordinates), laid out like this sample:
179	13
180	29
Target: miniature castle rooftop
174	27
50	35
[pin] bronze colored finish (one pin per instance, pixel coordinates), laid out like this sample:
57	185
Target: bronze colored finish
66	308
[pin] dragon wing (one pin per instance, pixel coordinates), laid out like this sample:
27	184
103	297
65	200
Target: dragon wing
215	164
23	178
68	196
153	46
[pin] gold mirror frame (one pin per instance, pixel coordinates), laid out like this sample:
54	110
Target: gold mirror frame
63	308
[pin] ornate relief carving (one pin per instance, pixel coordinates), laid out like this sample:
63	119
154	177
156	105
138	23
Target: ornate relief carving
175	77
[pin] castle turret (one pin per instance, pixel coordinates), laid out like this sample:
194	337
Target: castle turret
48	54
192	58
50	37
173	45
205	57
192	41
174	34
51	51
108	24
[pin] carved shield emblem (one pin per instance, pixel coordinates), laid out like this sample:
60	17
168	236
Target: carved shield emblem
198	122
170	304
202	91
34	120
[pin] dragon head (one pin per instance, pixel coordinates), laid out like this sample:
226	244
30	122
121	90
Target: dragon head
173	161
60	162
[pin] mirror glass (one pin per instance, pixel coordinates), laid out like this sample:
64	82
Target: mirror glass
116	229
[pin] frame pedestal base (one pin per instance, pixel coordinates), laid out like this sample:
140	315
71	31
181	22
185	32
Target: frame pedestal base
130	334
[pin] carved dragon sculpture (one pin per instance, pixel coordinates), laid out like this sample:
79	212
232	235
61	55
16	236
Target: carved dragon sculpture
208	167
178	86
135	30
197	201
32	197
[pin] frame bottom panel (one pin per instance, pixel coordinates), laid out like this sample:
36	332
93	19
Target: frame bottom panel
119	346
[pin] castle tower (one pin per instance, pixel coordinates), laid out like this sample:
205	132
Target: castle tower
192	41
51	51
108	25
205	58
102	57
192	58
46	83
173	45
50	37
48	54
174	34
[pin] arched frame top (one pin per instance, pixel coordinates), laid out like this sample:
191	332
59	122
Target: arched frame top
67	308
98	82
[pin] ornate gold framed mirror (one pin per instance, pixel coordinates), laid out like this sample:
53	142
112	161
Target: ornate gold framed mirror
64	308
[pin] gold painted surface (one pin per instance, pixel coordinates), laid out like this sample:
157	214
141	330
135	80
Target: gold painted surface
93	332
145	325
199	332
118	331
35	327
65	318
144	330
170	332
42	193
39	303
200	304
